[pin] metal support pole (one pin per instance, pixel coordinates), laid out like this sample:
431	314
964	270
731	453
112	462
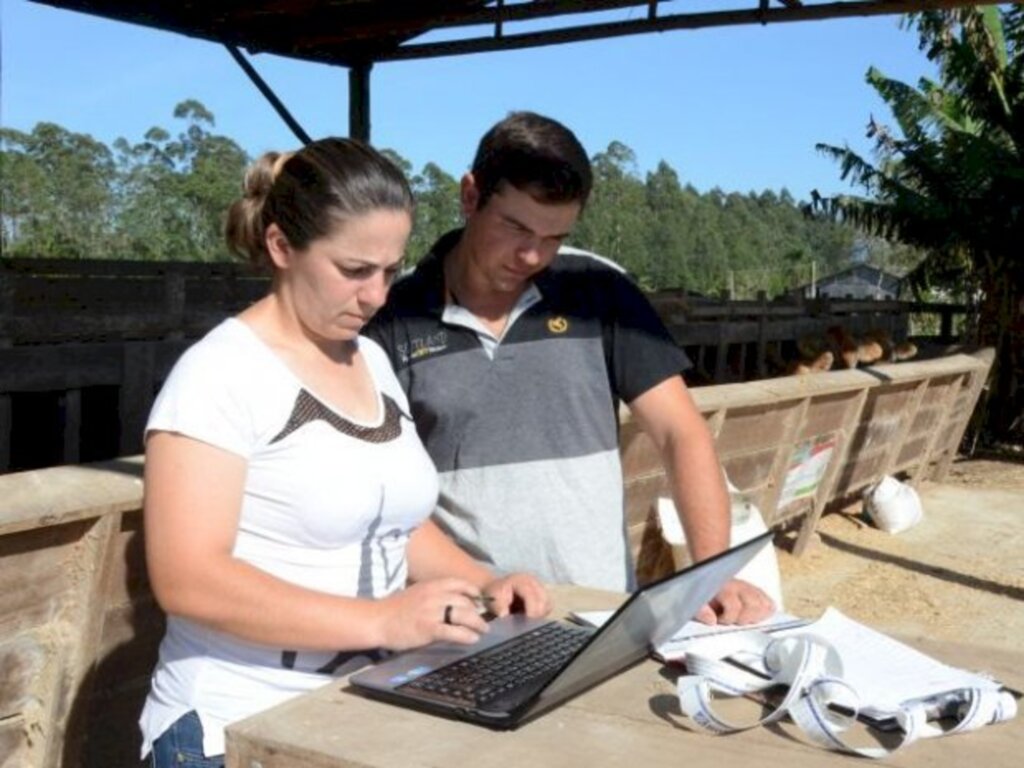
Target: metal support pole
268	94
359	101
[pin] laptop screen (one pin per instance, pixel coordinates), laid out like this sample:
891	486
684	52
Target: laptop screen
650	617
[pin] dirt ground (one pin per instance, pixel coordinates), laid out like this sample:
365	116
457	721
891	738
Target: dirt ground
958	575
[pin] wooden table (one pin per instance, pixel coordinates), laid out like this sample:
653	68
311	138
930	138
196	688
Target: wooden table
630	720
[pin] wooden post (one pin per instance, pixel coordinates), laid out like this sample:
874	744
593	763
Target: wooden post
977	381
938	431
826	487
71	404
946	329
174	304
6	311
783	452
715	421
721	355
762	335
94	563
5	433
905	423
136	394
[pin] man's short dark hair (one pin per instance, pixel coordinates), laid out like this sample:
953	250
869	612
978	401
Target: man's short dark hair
536	155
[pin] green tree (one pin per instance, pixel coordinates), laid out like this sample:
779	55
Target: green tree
437	208
614	221
175	191
437	204
56	192
949	178
668	238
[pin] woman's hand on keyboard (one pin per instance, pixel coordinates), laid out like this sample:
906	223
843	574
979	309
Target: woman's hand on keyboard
439	609
517	593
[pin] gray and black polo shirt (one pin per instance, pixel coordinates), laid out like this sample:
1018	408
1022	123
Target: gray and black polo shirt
524	430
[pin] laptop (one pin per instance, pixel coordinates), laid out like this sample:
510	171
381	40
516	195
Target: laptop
524	667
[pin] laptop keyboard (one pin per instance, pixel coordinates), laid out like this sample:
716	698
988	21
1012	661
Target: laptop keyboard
498	671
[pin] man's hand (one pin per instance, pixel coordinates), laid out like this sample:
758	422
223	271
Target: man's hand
738	602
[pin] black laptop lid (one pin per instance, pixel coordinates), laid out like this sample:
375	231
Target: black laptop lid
648	618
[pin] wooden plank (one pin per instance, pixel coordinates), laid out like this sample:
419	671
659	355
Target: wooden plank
652	556
47	498
6	305
638	452
828	413
15	746
749	428
87	612
827	487
21	663
138	386
35	295
909	414
859	472
721	356
128	580
868	411
641	494
715	421
174	304
930	426
123	267
762	335
227	295
71	406
947	443
127	652
5	432
76	365
978	379
795	417
880	431
5	398
750	471
35	584
90	326
67	366
755	393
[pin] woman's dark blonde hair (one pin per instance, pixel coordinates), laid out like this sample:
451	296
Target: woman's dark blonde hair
310	192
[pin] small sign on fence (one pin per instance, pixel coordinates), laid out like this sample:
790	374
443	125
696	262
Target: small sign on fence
806	468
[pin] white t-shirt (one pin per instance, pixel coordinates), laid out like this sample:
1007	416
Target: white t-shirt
329	504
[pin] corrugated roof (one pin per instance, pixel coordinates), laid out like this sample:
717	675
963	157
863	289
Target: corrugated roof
350	32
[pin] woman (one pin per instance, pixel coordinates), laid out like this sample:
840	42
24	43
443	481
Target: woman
287	493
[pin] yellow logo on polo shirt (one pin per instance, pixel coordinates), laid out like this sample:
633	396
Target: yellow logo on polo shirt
558	324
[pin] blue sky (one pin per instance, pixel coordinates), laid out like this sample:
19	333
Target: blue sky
739	108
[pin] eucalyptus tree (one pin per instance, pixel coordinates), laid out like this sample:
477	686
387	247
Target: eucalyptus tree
56	192
670	236
174	190
437	208
948	178
616	217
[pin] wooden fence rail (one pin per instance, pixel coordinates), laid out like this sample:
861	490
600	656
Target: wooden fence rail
745	340
79	627
795	445
71	328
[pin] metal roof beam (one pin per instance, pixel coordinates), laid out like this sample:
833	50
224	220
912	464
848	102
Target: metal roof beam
269	94
790	13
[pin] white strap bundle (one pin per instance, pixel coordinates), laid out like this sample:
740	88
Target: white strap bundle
817	693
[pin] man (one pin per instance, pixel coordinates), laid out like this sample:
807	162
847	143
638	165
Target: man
515	357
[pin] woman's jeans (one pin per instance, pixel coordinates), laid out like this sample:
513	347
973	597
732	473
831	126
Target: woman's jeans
181	746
